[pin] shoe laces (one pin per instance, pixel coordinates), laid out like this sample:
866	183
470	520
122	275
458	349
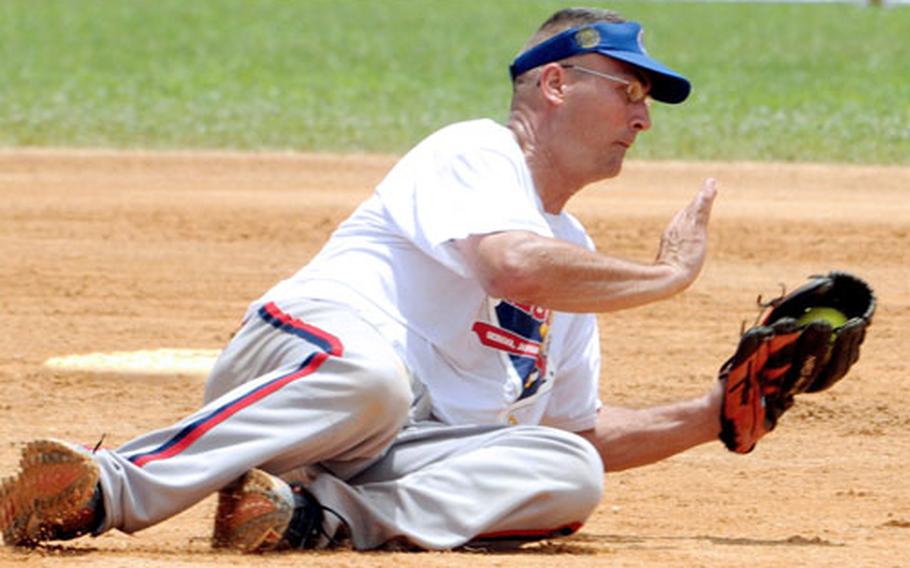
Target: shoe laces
306	526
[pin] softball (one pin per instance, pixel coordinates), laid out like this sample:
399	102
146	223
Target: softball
834	317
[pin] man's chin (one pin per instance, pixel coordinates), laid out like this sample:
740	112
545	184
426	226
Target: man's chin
606	168
613	168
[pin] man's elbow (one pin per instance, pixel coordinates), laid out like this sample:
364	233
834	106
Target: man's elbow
513	282
508	266
591	437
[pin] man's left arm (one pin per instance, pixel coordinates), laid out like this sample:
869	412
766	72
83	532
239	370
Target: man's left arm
627	438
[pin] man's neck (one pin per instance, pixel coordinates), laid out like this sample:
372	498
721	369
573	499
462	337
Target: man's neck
554	185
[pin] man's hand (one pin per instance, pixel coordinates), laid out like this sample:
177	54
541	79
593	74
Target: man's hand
684	242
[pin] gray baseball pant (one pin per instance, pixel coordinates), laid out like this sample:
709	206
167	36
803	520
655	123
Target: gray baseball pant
311	392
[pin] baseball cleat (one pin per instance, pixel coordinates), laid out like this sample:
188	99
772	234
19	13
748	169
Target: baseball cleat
54	496
260	512
253	513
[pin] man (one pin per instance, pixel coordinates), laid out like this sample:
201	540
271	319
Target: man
431	376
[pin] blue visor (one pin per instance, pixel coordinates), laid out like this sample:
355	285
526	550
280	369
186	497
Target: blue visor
619	41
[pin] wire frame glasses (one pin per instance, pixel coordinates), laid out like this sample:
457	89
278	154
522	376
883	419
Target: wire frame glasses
635	90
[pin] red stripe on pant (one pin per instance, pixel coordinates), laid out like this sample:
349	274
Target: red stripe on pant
531	534
223	414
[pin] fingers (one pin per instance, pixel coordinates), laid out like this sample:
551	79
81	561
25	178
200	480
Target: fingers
704	200
698	210
683	244
709	188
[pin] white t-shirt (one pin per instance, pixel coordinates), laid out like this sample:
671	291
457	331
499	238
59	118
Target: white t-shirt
483	360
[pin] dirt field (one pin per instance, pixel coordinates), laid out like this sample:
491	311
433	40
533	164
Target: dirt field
117	252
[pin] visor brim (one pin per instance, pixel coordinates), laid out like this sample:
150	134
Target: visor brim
667	86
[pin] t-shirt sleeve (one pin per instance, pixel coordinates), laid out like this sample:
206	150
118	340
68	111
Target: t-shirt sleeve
442	197
574	400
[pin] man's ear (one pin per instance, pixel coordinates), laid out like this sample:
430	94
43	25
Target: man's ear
552	83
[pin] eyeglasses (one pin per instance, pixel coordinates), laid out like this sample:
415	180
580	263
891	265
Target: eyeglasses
635	90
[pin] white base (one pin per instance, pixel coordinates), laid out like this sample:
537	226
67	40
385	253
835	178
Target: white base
196	362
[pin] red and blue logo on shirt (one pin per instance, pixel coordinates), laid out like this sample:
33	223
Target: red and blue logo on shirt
520	331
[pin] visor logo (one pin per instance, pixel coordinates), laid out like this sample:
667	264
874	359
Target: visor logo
586	38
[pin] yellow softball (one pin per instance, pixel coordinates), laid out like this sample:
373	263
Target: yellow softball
834	317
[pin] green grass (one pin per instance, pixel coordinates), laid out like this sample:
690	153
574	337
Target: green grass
772	82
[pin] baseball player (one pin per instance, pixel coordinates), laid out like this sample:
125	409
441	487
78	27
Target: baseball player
431	376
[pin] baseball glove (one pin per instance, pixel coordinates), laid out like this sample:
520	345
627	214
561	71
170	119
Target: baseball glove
804	342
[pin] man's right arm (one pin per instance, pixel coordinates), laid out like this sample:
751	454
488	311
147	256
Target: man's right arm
529	268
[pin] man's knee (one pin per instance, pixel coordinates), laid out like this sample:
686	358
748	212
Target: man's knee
580	475
383	393
590	472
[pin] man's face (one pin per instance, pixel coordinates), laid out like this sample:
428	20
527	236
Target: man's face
601	117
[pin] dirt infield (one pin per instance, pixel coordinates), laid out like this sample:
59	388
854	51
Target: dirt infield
127	251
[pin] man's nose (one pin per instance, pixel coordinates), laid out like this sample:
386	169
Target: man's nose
641	118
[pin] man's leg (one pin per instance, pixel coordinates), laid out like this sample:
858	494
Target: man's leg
441	487
339	394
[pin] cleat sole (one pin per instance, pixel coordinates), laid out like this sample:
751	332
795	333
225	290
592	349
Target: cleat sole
253	513
54	484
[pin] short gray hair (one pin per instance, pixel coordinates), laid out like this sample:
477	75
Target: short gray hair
570	18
